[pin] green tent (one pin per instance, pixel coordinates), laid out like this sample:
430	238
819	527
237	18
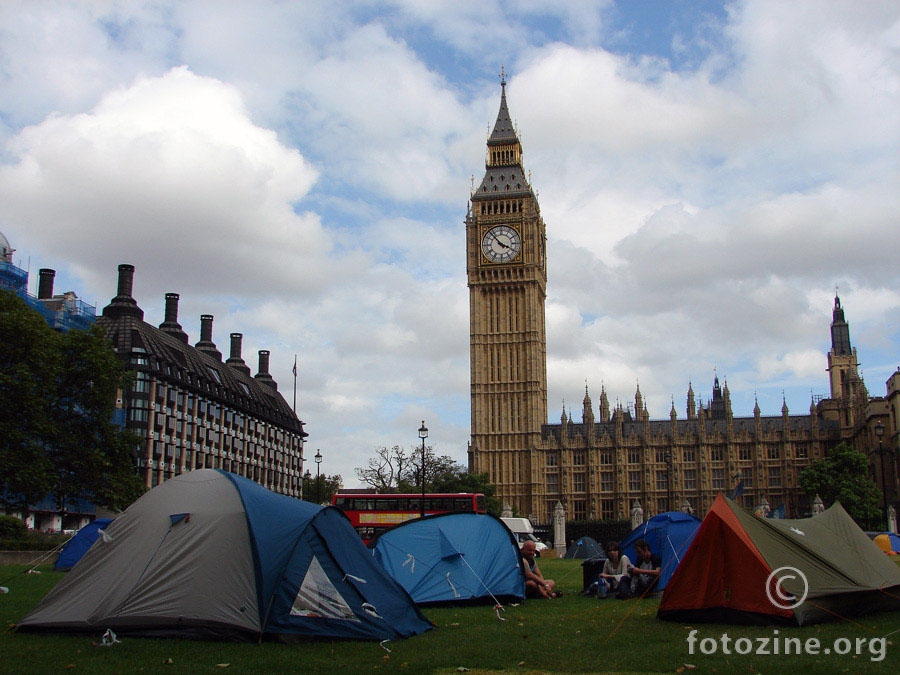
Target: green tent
744	569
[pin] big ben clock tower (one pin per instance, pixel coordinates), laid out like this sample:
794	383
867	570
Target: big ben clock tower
507	278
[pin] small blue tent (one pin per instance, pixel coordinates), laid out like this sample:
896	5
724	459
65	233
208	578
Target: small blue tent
210	554
669	535
584	547
453	558
78	545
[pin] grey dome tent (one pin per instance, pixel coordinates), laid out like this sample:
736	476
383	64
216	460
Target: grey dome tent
209	554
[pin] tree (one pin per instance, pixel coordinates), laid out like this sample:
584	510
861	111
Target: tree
843	475
384	471
57	398
28	359
323	490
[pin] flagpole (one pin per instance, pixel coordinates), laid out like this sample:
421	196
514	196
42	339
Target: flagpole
295	385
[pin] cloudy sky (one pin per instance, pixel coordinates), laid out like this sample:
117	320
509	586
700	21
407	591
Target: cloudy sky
709	173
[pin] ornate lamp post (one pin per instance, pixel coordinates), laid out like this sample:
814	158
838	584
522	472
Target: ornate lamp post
423	434
879	433
318	464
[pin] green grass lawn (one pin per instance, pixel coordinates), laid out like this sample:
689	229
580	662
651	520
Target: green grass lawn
572	634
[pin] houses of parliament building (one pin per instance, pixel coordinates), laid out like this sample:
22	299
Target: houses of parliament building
599	466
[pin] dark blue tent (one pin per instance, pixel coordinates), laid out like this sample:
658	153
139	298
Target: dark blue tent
669	535
210	554
584	547
78	545
453	558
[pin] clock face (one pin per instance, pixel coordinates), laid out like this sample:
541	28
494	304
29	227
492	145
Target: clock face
501	244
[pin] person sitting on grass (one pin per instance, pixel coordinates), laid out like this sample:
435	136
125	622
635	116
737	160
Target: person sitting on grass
645	573
536	586
615	570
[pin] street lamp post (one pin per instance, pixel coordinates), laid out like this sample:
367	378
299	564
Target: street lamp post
423	434
879	433
318	464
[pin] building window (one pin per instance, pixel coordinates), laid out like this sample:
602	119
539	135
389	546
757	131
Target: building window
802	451
141	382
747	477
718	479
634	481
607	509
717	454
774	476
662	480
746	453
553	483
552	459
578	458
606	457
606	481
661	456
138	415
774	452
580	506
690	479
579	482
689	455
634	455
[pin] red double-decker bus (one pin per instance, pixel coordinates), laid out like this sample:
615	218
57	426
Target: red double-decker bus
374	513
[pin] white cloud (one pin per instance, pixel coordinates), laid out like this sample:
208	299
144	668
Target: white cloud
172	170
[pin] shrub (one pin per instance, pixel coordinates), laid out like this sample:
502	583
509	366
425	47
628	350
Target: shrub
12	528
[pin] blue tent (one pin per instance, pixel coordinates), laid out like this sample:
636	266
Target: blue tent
209	554
452	558
78	545
584	547
669	535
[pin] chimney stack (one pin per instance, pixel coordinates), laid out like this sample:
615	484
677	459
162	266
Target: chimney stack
263	375
45	284
123	304
235	360
171	325
206	345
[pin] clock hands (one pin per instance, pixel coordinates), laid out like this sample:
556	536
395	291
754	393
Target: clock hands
501	244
